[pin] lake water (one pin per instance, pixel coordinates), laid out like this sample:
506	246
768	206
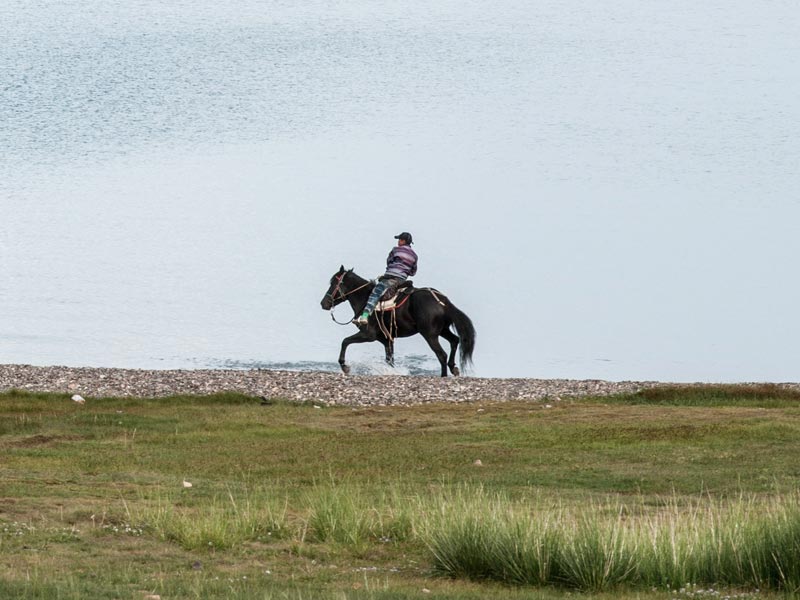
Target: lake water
609	190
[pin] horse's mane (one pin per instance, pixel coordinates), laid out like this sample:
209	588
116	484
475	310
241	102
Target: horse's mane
353	275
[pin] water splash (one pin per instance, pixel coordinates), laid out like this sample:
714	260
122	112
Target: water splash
413	364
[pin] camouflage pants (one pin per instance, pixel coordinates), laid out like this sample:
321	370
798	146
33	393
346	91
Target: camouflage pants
384	283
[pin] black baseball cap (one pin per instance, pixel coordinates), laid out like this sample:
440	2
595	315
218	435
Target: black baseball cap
405	236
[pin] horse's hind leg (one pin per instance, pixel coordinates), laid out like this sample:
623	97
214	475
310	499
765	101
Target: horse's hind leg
433	342
389	347
453	339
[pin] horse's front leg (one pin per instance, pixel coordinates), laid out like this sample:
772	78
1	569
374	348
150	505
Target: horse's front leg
357	338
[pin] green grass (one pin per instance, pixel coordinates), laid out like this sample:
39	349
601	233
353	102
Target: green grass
630	496
763	395
748	542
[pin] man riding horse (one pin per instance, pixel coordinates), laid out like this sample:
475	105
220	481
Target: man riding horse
424	311
401	264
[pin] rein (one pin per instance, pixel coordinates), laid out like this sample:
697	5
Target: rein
333	318
343	296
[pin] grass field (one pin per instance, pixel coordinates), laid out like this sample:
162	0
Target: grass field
669	493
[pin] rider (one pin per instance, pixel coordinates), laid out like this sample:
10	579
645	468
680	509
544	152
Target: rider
401	263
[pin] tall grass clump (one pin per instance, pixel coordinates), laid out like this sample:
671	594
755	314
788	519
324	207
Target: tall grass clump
595	553
747	543
223	522
345	515
480	536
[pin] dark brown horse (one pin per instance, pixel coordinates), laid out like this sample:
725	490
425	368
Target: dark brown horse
426	311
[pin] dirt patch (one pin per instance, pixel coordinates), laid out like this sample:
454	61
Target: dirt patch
38	440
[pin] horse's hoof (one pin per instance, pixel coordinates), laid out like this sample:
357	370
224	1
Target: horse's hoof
455	371
345	369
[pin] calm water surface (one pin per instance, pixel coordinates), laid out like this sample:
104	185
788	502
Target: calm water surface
609	190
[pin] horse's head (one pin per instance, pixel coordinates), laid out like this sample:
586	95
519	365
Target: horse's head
337	292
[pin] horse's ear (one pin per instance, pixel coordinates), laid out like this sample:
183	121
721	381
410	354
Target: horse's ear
341	269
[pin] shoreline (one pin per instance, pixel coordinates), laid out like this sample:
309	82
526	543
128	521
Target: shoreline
302	386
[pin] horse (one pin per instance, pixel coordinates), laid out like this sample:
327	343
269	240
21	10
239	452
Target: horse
426	311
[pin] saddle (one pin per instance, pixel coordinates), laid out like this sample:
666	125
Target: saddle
394	297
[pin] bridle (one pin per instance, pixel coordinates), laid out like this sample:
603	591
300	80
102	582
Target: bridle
342	296
337	288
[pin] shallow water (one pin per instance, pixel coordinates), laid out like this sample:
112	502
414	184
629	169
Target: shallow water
608	191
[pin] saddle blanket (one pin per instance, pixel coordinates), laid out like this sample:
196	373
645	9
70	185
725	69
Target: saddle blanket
397	299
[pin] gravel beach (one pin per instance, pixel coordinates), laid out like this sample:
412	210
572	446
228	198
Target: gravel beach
323	387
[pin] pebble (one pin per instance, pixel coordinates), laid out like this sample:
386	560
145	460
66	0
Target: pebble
325	388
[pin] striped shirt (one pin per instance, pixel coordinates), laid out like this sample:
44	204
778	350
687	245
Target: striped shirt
402	262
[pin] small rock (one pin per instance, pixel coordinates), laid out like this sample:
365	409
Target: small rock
186	484
78	398
197	565
478	463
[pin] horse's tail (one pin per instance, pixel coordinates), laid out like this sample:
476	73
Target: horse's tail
466	331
